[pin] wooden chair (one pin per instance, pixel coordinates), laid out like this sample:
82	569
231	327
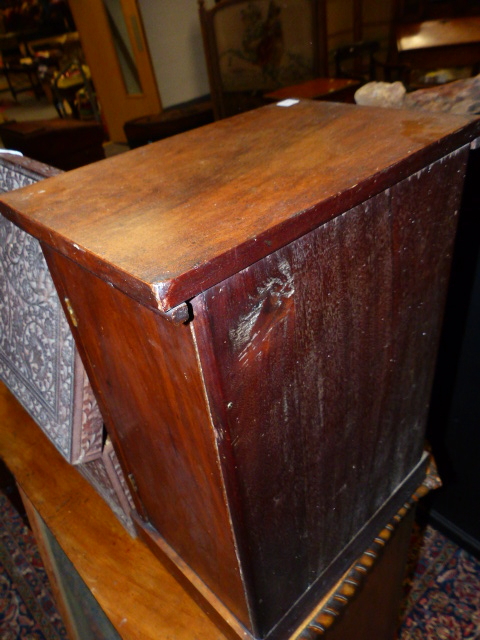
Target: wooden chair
357	61
21	73
65	86
256	46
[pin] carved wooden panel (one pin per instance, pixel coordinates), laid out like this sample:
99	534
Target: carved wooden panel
106	475
38	359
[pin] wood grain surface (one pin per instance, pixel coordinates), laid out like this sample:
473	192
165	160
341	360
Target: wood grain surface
431	34
150	391
271	430
140	597
318	363
168	220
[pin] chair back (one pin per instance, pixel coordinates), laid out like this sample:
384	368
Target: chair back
255	46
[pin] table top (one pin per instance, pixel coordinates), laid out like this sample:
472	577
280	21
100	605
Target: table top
438	33
141	599
166	221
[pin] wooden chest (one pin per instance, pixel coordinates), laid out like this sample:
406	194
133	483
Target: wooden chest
258	304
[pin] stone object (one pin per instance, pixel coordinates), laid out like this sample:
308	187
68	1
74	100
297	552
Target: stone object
381	94
458	97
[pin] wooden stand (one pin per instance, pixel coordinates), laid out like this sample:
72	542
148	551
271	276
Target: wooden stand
141	598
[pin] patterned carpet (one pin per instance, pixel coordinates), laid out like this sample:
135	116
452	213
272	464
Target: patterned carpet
27	609
442	589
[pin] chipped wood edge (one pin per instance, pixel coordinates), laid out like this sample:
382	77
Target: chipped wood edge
331	609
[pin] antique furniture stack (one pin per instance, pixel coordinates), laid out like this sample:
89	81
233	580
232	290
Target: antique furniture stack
257	304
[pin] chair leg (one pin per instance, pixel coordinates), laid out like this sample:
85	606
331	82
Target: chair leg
10	85
34	81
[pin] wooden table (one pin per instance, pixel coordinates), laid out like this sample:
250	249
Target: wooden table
139	596
141	599
439	43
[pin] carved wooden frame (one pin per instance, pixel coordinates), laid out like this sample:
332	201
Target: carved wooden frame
330	611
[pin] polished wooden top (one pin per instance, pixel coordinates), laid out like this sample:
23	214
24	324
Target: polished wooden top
141	599
168	220
438	33
311	89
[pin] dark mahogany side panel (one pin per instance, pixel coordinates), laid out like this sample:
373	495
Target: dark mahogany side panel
425	217
294	339
318	361
145	371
